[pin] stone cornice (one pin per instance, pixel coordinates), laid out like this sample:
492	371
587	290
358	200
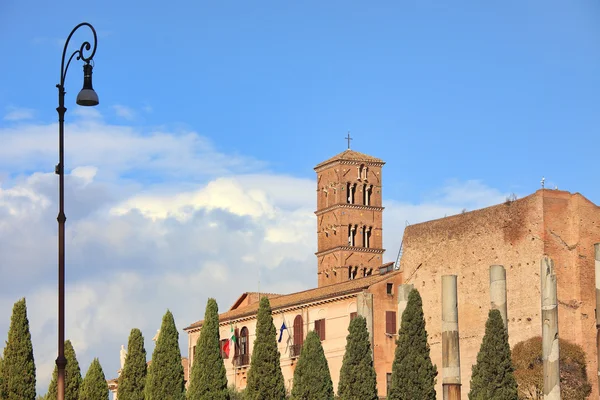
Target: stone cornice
251	314
326	165
352	249
349	206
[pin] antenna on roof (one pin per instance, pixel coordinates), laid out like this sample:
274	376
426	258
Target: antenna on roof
348	138
543	181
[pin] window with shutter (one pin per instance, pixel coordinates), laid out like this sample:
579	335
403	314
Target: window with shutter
298	336
390	322
320	328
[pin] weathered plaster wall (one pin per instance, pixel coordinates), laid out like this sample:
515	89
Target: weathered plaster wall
384	346
515	235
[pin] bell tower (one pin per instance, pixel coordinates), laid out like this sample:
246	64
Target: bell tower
349	217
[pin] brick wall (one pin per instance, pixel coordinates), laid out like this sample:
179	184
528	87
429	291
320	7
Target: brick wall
516	235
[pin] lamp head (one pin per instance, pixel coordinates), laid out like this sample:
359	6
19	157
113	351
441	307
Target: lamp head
87	96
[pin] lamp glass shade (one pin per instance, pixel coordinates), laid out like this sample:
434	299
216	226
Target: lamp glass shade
87	96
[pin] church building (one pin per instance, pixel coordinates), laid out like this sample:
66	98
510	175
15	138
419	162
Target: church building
352	280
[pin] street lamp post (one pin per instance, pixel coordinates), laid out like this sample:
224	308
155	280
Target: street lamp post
87	97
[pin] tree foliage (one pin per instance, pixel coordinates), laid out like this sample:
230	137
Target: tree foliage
165	374
265	380
208	378
413	373
72	376
18	366
133	376
1	379
529	370
94	385
357	376
312	380
492	376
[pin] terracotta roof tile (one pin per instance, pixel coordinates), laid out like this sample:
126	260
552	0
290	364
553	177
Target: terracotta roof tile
351	155
336	289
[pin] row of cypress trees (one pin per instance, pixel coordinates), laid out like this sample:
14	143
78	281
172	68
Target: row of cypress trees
18	372
413	374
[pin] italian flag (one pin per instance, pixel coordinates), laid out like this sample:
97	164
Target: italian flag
230	343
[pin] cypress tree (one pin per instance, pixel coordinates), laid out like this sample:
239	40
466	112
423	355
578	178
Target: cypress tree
413	373
133	376
312	380
208	379
265	380
18	366
94	385
72	376
165	374
357	376
492	376
1	379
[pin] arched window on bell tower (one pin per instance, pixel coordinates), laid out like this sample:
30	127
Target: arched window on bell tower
367	189
352	235
351	188
352	272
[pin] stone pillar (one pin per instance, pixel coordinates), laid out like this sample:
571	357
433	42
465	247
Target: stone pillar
597	257
550	347
498	291
364	307
450	339
403	292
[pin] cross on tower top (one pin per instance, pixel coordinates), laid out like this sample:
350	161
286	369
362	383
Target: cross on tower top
348	138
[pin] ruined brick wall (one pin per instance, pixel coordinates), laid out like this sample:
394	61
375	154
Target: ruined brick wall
516	235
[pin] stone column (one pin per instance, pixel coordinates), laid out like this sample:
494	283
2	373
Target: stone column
597	257
403	292
498	291
550	347
450	339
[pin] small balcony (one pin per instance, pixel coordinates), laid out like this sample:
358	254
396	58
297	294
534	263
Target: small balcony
241	360
295	350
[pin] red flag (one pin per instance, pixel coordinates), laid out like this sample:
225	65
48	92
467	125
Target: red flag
226	348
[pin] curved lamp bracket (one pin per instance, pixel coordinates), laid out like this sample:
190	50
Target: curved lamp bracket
85	46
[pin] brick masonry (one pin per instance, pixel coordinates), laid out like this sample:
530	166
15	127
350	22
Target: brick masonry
338	211
516	234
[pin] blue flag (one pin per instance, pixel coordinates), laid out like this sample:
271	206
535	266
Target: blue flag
281	333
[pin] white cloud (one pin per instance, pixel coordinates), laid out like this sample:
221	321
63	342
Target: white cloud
135	250
124	112
19	114
87	113
113	149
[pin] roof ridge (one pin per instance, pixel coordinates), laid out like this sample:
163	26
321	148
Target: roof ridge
334	289
351	155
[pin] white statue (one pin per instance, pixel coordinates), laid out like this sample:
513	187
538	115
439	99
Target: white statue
155	338
123	354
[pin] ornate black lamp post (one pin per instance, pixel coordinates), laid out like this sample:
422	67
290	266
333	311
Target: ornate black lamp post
87	97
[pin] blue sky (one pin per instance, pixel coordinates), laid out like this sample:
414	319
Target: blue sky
234	103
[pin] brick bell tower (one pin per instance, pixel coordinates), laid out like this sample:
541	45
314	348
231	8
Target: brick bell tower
349	217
